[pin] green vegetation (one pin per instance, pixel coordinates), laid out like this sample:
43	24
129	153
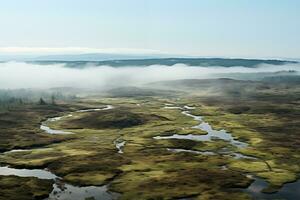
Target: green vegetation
20	126
116	118
16	188
265	118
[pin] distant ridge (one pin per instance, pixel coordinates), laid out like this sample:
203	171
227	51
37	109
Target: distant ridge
206	62
99	57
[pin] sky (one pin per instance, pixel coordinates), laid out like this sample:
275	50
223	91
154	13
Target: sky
222	28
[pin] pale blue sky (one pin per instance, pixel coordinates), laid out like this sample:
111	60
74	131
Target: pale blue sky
235	28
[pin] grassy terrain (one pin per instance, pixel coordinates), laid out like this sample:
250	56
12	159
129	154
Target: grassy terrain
265	118
16	188
20	126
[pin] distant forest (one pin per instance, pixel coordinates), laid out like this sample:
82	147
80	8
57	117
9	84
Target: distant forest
206	62
13	98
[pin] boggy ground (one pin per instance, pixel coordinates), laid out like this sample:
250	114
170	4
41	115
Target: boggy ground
147	170
16	188
19	127
265	115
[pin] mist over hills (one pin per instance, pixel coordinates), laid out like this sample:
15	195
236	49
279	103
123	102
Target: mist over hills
205	62
116	73
139	59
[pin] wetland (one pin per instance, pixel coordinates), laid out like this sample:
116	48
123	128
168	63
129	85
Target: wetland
180	145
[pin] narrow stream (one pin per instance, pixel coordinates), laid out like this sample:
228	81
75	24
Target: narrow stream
120	143
48	130
108	107
52	131
211	133
289	191
234	155
64	191
61	190
208	153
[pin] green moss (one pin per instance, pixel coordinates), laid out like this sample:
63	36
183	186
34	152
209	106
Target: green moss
162	185
193	131
16	188
89	178
278	177
20	127
249	166
146	169
250	151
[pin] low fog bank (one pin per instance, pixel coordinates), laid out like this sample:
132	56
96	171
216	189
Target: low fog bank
15	75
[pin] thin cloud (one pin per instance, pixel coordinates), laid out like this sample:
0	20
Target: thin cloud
24	75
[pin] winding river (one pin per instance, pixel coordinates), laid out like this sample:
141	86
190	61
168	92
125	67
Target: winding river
65	191
289	191
62	190
211	133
